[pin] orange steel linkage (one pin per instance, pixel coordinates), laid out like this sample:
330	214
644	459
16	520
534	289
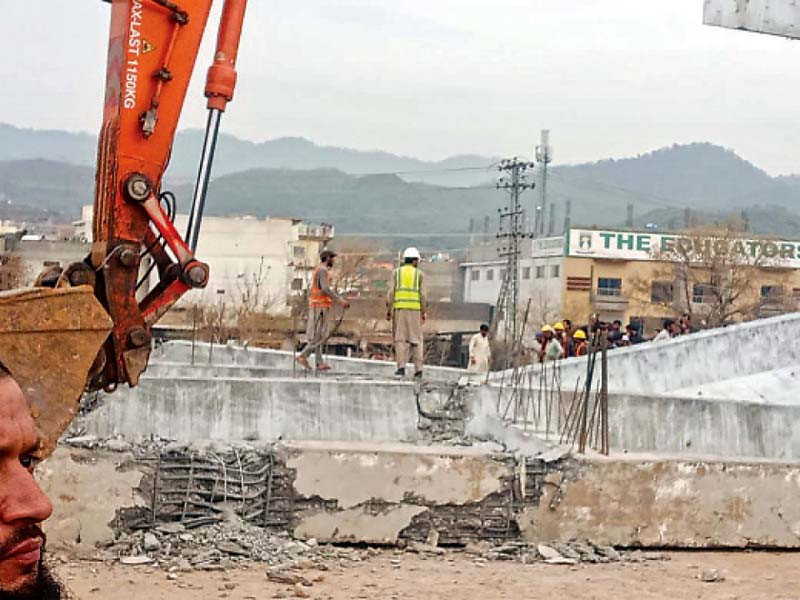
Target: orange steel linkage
152	52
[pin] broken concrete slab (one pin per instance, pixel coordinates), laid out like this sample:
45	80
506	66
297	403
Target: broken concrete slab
668	503
357	524
382	493
354	474
87	489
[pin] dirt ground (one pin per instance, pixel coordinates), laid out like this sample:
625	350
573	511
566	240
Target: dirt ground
391	575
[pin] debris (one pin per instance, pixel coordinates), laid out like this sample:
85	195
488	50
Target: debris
300	591
135	560
151	543
547	552
711	576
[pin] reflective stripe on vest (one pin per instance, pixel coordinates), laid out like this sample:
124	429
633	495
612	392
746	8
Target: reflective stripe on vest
407	294
318	298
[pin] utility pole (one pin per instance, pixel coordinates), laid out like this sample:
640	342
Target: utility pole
544	156
510	233
567	216
629	217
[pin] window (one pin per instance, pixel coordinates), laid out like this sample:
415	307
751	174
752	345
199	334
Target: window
555	271
609	286
299	251
297	283
526	272
540	272
771	291
502	274
702	293
662	292
489	274
476	274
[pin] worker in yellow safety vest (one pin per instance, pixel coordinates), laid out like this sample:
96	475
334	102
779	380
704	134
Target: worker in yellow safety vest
320	303
405	304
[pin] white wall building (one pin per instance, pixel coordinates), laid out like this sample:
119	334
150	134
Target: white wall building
541	265
262	262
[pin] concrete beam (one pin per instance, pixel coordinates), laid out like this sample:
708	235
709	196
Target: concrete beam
691	361
259	410
668	503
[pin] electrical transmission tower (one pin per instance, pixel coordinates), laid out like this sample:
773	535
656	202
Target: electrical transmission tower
544	156
510	233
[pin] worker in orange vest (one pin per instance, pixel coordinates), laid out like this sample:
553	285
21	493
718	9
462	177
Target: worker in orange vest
579	337
320	304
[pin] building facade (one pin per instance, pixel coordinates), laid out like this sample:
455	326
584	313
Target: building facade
541	269
715	277
261	263
645	276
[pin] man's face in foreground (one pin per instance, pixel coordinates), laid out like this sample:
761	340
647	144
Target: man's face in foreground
23	506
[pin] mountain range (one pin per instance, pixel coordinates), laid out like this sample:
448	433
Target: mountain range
383	194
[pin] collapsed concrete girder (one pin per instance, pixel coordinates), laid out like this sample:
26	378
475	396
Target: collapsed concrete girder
346	493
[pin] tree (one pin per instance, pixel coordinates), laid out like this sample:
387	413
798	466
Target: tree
713	273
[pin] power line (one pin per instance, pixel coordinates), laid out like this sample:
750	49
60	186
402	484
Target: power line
426	171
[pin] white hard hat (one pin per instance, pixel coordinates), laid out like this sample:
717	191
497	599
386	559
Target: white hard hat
412	253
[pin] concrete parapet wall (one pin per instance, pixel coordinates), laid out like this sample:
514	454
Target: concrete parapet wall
259	410
728	429
229	355
694	360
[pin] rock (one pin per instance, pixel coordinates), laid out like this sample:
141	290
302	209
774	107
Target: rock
118	445
172	576
567	551
609	553
283	577
654	556
548	553
151	543
232	548
711	576
135	560
300	591
171	528
561	560
477	548
433	538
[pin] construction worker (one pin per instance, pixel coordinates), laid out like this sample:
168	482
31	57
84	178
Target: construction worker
405	303
480	352
554	350
547	340
579	339
320	303
562	337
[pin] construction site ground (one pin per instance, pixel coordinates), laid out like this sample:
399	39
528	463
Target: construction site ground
390	574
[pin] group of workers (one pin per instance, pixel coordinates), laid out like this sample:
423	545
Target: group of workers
406	308
560	341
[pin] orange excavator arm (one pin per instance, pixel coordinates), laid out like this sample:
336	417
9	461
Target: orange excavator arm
152	53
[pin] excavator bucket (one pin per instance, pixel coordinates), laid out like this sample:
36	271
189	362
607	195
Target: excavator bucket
49	339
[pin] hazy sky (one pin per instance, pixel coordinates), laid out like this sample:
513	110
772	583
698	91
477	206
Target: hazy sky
431	78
